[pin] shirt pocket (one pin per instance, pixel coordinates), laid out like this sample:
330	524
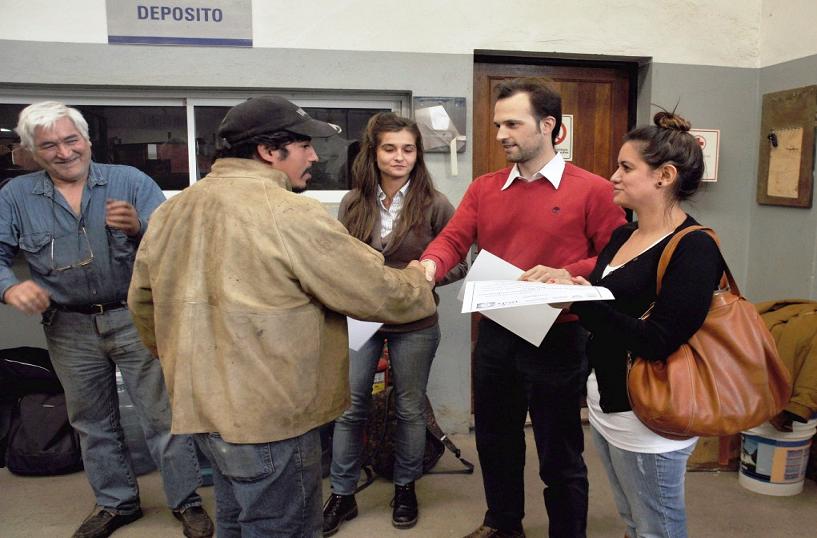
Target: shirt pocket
37	251
123	250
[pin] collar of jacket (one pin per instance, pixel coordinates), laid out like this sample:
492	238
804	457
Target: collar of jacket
233	167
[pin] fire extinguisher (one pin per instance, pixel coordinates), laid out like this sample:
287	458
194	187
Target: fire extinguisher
381	373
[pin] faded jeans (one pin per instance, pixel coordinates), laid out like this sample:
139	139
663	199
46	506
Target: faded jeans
648	489
411	355
85	349
266	490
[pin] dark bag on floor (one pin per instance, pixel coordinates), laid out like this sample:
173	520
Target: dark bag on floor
23	370
378	452
40	440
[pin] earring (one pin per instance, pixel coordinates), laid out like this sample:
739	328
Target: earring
658	185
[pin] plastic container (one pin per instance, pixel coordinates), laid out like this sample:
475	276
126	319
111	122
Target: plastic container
774	462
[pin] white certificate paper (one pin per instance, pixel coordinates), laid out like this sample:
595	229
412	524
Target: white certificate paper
494	294
530	322
360	332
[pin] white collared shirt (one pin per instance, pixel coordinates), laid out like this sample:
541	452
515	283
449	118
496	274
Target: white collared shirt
388	215
552	171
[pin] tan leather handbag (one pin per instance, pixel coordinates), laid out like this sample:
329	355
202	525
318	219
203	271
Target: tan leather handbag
727	378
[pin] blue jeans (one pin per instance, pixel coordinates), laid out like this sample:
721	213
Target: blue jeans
85	349
411	355
648	489
267	489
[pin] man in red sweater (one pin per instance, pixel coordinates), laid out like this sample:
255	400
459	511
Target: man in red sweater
552	219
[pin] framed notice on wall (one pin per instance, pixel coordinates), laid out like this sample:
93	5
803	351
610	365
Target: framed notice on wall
709	140
786	156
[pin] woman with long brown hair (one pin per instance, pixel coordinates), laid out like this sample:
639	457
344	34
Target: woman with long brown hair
395	209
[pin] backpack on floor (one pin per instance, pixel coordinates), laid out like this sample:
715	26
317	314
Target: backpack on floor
40	439
378	452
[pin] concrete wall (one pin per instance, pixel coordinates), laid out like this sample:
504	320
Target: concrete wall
673	31
783	240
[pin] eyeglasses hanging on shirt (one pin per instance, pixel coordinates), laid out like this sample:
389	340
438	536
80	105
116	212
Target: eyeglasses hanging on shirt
70	246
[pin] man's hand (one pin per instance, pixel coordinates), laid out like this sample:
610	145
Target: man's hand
417	266
543	273
430	268
27	297
122	216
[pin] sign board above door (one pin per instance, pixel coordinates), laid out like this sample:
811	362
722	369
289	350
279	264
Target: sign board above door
208	23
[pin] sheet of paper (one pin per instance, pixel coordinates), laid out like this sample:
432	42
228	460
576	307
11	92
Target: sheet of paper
495	294
487	266
530	323
784	163
360	332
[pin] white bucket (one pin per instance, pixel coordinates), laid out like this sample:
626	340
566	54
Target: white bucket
774	462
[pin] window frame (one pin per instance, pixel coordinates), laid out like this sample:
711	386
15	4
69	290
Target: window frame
399	102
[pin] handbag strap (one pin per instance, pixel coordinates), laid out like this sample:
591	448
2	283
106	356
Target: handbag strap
666	255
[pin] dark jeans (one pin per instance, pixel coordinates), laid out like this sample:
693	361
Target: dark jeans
512	378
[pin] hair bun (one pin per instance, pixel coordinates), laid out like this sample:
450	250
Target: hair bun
668	120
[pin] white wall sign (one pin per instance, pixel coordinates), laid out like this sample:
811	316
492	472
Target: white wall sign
709	140
564	140
210	23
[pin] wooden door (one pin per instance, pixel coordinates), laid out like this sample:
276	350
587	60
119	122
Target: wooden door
600	99
597	97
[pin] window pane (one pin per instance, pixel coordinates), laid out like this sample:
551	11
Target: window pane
150	138
332	172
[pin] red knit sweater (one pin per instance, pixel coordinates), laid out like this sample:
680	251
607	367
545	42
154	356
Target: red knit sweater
531	223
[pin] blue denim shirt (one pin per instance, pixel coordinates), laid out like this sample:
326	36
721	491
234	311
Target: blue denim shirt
87	262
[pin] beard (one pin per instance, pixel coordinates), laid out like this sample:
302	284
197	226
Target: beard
523	154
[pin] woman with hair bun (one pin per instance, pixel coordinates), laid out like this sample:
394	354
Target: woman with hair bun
395	208
659	166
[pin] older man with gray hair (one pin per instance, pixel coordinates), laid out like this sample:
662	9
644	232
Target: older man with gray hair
78	224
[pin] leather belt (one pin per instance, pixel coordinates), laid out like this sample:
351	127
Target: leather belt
98	308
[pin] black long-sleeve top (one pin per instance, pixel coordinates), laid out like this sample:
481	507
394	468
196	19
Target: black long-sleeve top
692	275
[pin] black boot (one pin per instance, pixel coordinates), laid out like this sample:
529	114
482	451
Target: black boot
338	508
404	515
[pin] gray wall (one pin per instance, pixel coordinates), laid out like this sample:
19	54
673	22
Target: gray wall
722	98
710	97
783	240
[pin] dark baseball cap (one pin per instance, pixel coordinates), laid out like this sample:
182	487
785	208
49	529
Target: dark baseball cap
268	114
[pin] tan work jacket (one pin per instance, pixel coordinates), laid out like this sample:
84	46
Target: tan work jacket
242	287
793	323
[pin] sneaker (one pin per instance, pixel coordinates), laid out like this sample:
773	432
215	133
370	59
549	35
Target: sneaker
104	522
404	515
485	531
338	508
195	521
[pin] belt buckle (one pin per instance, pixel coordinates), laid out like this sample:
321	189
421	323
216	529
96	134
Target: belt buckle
99	308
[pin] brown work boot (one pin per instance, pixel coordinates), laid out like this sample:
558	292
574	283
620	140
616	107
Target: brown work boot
104	522
195	522
485	531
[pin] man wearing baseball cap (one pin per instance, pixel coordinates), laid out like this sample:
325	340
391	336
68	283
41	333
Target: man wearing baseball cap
241	287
